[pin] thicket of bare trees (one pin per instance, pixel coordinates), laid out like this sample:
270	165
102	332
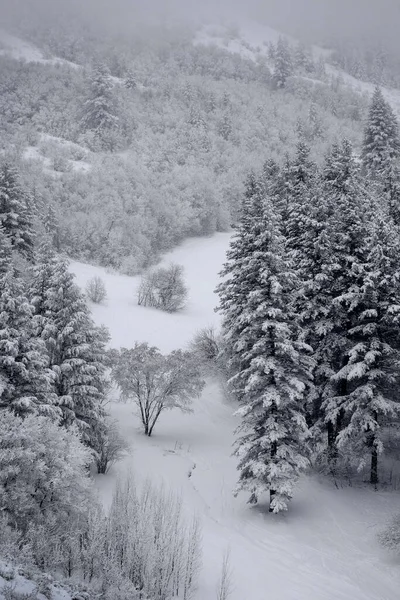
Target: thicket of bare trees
163	288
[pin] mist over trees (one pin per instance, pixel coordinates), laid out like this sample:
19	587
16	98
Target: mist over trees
121	135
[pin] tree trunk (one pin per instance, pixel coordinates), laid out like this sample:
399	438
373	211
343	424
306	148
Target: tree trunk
271	497
374	467
274	450
374	479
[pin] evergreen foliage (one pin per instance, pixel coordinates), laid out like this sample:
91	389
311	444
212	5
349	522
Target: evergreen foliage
25	379
100	114
271	366
381	144
15	217
313	267
75	346
283	63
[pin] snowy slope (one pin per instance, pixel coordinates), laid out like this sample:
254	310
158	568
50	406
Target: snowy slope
15	47
324	548
10	578
250	40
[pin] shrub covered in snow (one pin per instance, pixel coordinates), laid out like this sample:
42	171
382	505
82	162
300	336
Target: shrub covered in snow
38	487
110	446
163	288
96	290
390	536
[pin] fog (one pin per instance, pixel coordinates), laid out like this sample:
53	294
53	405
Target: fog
314	20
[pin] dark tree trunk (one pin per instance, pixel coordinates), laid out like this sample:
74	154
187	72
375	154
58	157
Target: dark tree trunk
271	497
374	467
274	450
374	479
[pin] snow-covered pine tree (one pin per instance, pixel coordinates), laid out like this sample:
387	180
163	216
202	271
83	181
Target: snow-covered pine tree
283	63
271	367
372	304
5	252
348	218
298	179
237	274
25	379
75	346
381	145
100	114
15	217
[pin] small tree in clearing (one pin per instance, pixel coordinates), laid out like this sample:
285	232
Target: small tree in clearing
163	288
110	446
156	382
96	290
224	587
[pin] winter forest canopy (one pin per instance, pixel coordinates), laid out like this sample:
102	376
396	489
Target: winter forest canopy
122	136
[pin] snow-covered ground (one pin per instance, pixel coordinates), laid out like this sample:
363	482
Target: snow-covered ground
12	580
251	39
15	47
324	548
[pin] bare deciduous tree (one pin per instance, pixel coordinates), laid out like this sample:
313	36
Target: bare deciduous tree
225	586
163	288
156	382
110	446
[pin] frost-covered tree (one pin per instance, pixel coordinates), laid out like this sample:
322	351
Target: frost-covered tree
371	371
271	365
75	346
238	274
348	217
163	288
156	382
38	487
25	379
15	217
381	144
283	63
5	252
130	80
100	113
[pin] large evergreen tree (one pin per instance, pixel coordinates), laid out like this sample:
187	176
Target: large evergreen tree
371	371
25	379
100	114
238	274
15	217
283	63
381	144
271	366
348	218
75	346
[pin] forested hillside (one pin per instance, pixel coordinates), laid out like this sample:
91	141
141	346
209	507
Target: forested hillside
133	144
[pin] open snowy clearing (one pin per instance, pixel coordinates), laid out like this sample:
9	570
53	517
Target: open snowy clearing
324	548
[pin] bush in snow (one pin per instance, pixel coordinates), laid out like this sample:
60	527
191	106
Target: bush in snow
156	382
163	288
390	537
38	487
96	290
206	345
110	446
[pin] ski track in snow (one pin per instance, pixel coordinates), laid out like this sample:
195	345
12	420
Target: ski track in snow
324	548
